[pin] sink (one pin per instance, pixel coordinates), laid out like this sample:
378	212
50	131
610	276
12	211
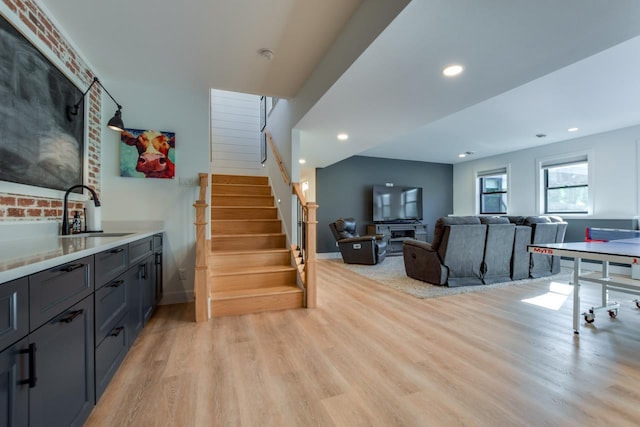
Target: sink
99	235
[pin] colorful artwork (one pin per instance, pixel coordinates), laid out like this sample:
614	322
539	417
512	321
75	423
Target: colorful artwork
147	154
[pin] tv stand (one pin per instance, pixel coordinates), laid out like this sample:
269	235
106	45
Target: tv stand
396	233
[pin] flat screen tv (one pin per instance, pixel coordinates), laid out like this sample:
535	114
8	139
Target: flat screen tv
397	204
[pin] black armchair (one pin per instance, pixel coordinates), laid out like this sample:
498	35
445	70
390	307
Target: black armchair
356	249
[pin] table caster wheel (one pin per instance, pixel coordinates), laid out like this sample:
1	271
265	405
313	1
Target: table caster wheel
638	304
589	318
613	313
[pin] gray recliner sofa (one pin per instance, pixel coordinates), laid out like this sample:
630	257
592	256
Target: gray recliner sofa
453	258
498	249
543	229
473	250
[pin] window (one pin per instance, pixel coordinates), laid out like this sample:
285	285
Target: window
566	187
493	191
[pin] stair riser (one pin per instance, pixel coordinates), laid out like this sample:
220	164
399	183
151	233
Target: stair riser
220	262
239	179
244	213
245	227
255	190
248	243
252	281
217	200
256	304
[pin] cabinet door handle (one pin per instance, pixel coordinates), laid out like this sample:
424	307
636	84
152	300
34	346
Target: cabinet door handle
31	351
158	258
70	268
142	271
116	331
116	250
72	315
116	283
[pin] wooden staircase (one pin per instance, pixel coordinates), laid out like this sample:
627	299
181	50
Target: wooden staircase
249	264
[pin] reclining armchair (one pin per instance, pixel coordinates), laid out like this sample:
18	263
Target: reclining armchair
453	258
356	249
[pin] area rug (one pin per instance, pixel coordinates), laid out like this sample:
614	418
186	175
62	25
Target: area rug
391	273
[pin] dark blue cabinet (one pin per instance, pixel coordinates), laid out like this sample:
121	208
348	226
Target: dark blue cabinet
14	383
110	353
14	311
53	290
137	275
157	271
148	289
65	331
110	264
64	394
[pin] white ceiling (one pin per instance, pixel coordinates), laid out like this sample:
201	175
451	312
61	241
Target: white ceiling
204	43
530	67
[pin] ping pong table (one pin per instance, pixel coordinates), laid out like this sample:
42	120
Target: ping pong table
623	251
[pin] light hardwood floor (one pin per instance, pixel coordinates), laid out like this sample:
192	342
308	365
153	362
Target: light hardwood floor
371	356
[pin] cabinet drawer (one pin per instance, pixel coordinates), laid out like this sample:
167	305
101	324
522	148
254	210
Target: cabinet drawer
110	264
54	290
110	305
109	355
14	311
140	249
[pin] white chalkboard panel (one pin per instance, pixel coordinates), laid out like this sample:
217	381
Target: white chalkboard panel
39	145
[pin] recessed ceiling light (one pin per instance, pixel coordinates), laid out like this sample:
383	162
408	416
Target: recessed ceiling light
452	70
541	135
572	129
465	154
302	161
343	136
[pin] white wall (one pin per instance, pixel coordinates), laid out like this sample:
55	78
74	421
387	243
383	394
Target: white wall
613	173
235	137
371	18
146	199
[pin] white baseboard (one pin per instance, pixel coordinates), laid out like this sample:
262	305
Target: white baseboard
329	255
178	297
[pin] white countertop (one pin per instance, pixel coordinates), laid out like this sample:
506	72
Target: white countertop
31	254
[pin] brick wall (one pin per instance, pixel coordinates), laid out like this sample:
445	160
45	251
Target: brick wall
24	206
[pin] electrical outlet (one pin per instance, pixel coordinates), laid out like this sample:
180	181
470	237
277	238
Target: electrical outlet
182	274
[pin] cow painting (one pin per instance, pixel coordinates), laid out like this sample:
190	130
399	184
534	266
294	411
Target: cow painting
147	153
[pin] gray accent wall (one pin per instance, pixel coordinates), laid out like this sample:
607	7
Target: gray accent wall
344	190
576	228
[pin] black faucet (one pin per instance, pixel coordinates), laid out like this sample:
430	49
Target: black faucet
65	210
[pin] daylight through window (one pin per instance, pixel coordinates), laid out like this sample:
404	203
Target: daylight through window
566	188
493	191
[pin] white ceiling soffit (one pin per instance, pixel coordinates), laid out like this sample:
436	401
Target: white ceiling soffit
204	44
518	81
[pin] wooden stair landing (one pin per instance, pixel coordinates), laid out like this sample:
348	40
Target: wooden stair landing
249	264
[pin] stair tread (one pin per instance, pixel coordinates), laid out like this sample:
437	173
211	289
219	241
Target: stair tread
248	293
239	195
246	220
246	235
238	184
252	270
244	207
249	252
